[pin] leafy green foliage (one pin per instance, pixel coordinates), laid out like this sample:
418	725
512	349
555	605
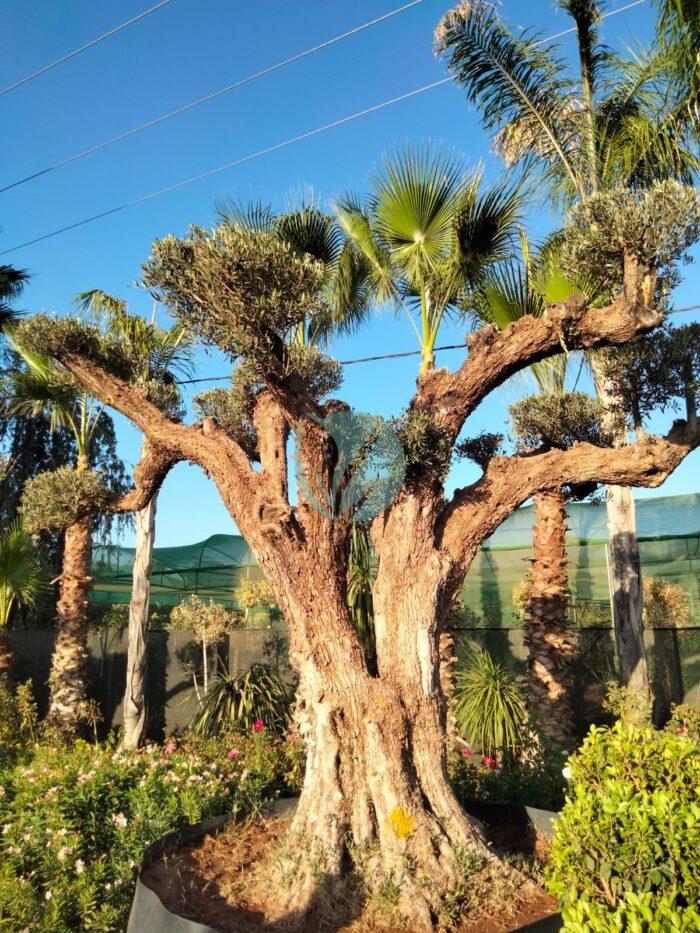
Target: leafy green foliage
22	575
556	420
657	226
428	451
238	289
52	501
480	449
12	282
624	855
239	699
488	704
534	779
76	819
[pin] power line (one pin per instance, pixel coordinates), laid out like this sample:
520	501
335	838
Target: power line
83	48
209	97
394	356
266	151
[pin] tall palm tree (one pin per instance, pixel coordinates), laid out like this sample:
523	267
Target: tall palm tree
616	122
160	356
21	582
507	293
42	388
428	230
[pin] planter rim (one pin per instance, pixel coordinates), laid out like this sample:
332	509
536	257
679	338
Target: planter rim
148	912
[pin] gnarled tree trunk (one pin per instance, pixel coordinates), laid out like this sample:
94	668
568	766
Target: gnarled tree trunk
546	636
625	565
69	661
137	645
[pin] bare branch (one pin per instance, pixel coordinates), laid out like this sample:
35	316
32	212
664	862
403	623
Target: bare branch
496	355
476	511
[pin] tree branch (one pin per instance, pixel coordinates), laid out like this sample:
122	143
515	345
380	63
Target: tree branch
495	355
149	474
475	512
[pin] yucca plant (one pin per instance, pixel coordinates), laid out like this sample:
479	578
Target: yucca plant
488	705
242	698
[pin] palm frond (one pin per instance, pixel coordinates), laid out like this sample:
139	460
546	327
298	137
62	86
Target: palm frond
36	392
516	80
354	220
310	232
255	215
414	199
22	575
99	305
485	227
348	295
12	281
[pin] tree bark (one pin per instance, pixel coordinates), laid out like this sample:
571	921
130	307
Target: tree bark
67	680
625	564
6	659
137	647
548	642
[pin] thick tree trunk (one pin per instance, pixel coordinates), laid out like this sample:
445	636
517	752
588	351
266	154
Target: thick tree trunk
68	665
548	642
137	646
625	565
376	792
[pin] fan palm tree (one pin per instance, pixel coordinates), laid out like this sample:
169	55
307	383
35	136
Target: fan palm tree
43	388
21	582
427	231
161	356
615	122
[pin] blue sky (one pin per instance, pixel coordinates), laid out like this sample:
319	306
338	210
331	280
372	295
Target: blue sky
184	51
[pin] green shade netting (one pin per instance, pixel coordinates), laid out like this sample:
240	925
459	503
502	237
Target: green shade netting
668	530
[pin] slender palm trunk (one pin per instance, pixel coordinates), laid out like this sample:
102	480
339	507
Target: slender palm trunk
548	642
67	681
6	659
137	647
625	564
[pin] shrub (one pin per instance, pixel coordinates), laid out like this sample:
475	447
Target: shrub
488	704
54	500
624	855
665	604
242	698
535	780
76	820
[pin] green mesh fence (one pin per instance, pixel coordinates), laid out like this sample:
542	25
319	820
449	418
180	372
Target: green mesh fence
669	534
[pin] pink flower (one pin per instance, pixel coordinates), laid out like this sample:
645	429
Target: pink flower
683	732
467	752
258	725
491	763
233	753
170	748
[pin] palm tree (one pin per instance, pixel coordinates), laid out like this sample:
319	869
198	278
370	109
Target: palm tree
428	231
508	292
21	582
617	122
42	388
160	356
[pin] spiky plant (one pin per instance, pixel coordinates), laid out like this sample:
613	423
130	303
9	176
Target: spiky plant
488	704
22	579
241	698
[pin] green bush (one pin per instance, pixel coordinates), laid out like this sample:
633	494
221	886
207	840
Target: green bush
536	781
241	698
624	856
76	820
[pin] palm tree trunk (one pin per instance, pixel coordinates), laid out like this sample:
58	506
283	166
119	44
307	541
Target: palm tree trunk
625	569
68	691
546	636
137	647
6	659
